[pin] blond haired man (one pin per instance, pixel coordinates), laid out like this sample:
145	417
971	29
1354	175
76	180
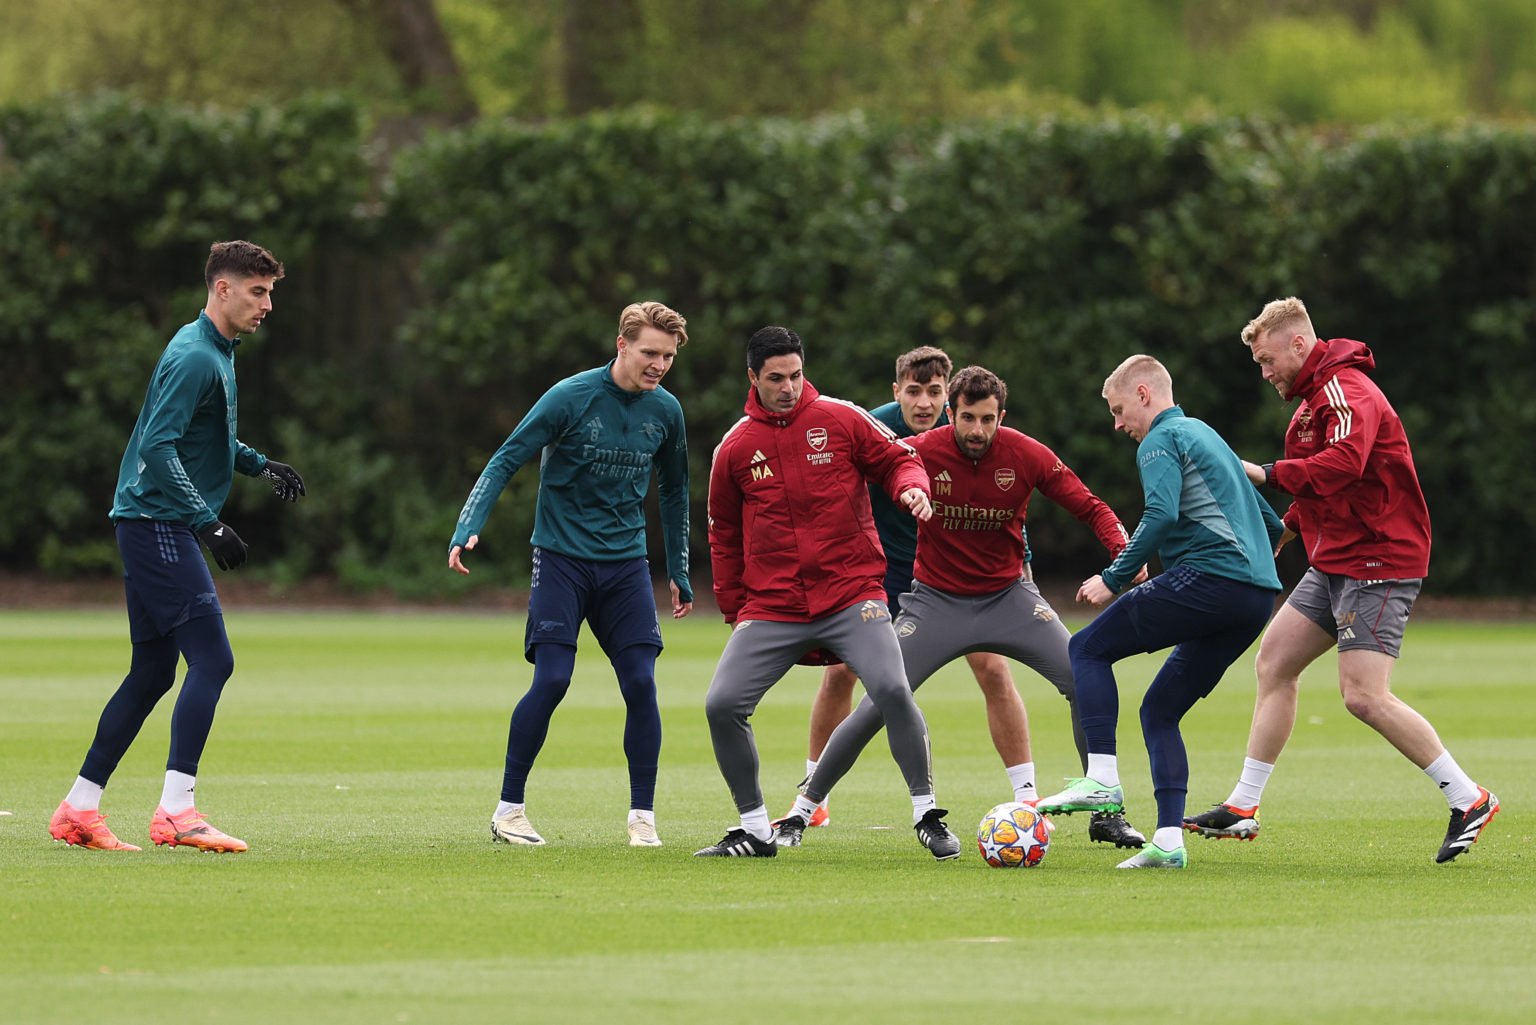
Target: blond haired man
1214	536
1358	509
597	436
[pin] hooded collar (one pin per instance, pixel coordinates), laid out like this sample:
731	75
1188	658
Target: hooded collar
757	411
1325	360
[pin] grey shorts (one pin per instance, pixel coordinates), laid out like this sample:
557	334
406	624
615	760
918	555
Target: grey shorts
1365	615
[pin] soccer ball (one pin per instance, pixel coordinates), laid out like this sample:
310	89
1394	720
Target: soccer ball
1013	835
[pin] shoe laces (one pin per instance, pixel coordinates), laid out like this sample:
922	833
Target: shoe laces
932	823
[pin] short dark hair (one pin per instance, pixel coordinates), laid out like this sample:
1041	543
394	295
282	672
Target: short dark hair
923	364
240	259
771	341
976	384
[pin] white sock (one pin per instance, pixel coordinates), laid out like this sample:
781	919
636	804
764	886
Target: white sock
804	807
1459	790
177	796
642	815
756	822
84	795
1169	838
1022	776
922	804
1104	770
1250	785
507	808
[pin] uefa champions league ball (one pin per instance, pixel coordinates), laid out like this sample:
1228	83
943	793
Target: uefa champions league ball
1013	835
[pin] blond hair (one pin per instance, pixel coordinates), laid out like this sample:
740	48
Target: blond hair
1139	369
637	316
1282	313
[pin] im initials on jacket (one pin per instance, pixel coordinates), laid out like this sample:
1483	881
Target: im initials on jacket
183	452
1358	506
791	537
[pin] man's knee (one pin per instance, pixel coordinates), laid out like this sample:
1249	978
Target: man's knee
887	689
154	674
1366	693
213	661
722	707
1154	716
1085	645
1275	669
838	682
992	675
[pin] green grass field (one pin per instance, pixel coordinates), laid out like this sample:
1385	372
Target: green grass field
361	757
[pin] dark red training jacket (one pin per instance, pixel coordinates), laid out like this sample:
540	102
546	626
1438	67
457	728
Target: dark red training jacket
791	537
1358	507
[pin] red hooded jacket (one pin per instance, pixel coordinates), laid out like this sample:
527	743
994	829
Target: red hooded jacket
791	537
1358	507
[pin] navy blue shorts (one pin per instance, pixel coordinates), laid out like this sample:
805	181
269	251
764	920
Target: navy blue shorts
165	578
1208	620
615	598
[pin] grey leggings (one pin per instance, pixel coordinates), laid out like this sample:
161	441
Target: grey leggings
761	651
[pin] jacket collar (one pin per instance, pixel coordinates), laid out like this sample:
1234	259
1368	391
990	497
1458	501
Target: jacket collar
1167	414
205	324
757	411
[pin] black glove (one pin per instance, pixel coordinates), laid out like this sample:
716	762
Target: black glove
227	548
287	485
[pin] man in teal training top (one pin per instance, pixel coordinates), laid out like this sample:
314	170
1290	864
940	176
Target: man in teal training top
1216	539
175	474
597	436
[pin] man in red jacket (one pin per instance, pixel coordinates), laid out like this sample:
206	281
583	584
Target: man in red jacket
972	588
798	571
1360	513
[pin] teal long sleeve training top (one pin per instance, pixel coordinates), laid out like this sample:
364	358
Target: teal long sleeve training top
182	454
1200	509
597	445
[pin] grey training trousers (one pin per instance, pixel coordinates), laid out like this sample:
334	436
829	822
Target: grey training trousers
935	628
761	651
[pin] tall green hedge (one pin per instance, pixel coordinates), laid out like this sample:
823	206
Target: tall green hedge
433	295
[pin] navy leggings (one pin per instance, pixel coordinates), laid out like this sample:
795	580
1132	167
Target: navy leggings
635	667
1209	620
151	675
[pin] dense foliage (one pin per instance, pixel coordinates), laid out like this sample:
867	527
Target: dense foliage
1321	61
431	298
